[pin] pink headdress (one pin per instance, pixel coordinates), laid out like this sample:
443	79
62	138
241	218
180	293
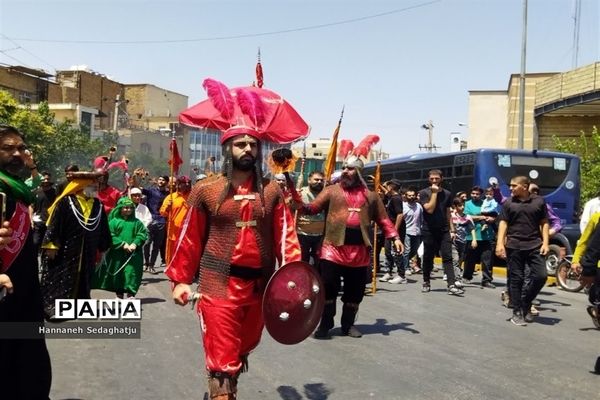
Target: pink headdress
245	112
220	97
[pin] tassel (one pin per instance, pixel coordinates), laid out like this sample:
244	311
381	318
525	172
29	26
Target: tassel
251	105
220	97
244	359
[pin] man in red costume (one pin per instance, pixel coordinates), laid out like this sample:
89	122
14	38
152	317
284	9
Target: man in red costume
236	226
350	207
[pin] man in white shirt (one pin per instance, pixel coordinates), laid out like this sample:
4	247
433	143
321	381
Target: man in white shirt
591	206
141	211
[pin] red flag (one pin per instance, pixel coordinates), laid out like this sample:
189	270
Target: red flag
259	72
259	75
175	161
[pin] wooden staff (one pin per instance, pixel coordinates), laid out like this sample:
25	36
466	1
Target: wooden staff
374	277
170	215
377	185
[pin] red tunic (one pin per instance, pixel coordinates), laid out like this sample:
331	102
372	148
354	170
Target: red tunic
355	255
109	197
232	326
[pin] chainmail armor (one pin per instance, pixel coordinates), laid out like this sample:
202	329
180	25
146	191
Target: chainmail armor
221	230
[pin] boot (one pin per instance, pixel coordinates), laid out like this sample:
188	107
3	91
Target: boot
326	324
348	316
222	386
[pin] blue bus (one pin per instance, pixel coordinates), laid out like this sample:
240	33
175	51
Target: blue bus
557	174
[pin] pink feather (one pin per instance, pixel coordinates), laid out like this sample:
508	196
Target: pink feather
365	146
251	105
220	97
344	148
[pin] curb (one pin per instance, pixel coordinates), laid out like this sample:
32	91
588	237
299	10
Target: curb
500	272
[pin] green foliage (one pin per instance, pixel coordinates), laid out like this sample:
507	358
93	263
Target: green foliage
587	147
153	166
53	144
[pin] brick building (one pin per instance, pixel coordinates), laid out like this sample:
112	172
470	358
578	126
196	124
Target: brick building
556	104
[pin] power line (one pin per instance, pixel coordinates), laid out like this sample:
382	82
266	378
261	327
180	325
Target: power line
241	36
15	59
19	47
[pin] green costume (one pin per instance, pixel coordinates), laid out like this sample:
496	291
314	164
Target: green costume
121	271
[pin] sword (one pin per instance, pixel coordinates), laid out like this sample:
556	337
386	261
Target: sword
124	264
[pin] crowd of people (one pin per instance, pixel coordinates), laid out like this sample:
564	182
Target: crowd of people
87	235
229	230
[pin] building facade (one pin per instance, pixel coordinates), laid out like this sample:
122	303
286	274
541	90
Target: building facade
556	105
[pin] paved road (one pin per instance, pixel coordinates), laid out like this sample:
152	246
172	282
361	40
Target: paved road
416	346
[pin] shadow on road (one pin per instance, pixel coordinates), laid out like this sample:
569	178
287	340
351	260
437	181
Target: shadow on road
381	327
146	281
546	320
152	300
312	391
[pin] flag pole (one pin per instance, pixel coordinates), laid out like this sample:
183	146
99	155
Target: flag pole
332	154
169	217
376	184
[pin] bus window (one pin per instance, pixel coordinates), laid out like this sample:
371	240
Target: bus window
541	170
463	170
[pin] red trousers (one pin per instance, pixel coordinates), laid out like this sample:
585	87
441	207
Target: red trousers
231	327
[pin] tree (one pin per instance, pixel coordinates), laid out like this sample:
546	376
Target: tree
153	166
587	147
54	144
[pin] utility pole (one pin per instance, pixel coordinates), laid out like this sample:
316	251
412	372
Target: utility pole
521	137
430	147
576	22
116	116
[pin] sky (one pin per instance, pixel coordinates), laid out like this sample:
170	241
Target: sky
393	65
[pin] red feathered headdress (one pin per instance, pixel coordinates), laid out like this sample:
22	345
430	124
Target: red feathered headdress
360	153
103	164
220	97
364	147
243	108
344	149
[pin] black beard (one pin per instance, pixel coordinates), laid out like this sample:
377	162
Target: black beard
316	187
245	163
14	166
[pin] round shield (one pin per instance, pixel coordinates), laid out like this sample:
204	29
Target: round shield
293	302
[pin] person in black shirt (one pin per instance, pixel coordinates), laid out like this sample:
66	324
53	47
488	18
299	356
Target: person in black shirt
523	240
394	207
45	196
438	231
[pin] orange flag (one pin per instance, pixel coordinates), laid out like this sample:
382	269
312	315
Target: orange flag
329	165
